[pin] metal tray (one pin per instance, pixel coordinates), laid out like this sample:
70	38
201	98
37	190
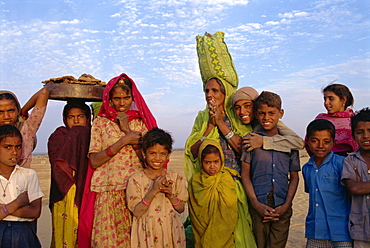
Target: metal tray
83	92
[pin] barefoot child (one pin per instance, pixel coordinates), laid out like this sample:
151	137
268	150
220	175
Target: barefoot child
157	196
270	178
356	176
20	197
214	203
327	218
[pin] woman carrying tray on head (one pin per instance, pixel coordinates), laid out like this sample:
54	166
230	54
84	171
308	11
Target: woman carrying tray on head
114	153
68	149
11	113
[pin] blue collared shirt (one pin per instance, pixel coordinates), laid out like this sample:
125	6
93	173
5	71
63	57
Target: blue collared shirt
271	168
329	205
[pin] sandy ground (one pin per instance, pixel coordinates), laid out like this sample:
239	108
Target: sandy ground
40	163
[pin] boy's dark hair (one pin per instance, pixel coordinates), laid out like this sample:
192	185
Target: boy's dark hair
268	98
342	91
157	136
9	131
320	125
80	105
208	150
362	115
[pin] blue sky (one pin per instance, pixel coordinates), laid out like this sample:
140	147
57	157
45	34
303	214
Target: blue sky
293	48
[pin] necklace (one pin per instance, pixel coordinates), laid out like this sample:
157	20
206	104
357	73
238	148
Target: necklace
4	189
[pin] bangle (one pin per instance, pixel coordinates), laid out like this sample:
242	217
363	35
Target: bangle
109	152
229	135
177	203
202	138
136	147
145	203
5	210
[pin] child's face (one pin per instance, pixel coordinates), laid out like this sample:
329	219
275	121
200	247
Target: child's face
76	117
244	110
156	156
268	117
333	103
320	144
10	151
362	135
211	163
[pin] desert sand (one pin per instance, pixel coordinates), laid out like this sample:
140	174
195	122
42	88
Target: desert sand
40	163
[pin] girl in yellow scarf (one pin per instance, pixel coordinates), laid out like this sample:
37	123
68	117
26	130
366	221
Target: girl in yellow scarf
218	205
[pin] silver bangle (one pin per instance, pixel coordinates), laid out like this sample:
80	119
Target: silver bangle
203	138
229	135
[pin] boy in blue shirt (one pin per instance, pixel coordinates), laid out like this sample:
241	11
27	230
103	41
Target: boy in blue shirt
329	206
270	178
356	176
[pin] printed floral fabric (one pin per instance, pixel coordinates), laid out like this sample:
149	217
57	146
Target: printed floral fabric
113	175
161	225
112	221
65	221
28	131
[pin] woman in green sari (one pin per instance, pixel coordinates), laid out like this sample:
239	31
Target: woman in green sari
217	122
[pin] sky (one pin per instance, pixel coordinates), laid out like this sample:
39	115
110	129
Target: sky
291	47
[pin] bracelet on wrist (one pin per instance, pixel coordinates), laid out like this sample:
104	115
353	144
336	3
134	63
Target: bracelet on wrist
109	152
145	203
229	135
177	203
5	210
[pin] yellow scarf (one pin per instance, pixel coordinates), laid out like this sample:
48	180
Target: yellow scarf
213	206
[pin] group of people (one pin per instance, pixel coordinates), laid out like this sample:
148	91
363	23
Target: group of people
221	156
111	187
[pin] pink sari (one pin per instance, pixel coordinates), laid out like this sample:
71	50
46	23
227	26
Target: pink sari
86	216
344	143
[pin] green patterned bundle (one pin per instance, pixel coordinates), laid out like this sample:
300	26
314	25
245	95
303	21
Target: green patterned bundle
214	59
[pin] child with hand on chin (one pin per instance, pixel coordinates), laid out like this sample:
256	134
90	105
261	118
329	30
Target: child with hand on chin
20	197
156	196
356	176
270	178
327	218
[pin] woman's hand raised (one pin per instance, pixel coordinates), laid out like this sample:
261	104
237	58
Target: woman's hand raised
123	122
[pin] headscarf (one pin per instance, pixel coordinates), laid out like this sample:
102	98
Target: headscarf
192	165
244	93
214	201
19	121
213	205
142	111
